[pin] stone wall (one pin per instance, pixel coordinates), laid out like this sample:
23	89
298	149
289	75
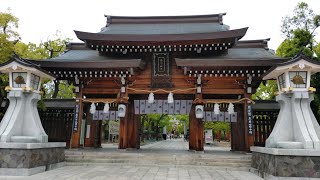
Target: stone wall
30	158
286	166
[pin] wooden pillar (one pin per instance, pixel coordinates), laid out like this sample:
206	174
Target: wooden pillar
133	139
97	134
89	140
129	129
196	139
76	126
249	138
237	130
122	141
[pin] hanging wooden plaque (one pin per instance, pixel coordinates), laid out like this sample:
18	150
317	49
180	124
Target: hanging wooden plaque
161	73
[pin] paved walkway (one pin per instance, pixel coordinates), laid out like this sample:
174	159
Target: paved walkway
139	173
132	172
179	145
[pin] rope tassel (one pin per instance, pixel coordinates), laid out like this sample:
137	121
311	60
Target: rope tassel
216	109
170	98
231	108
151	98
92	108
106	108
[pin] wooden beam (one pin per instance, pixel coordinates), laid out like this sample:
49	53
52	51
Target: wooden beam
222	91
100	91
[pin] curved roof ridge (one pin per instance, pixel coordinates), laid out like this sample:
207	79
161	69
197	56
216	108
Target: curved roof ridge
164	19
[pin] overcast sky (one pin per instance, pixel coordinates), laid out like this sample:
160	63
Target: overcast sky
41	18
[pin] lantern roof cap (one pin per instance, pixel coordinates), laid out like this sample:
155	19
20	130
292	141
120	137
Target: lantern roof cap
25	64
299	62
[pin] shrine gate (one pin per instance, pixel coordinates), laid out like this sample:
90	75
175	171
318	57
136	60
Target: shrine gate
185	61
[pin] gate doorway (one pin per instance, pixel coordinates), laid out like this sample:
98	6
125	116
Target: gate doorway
146	126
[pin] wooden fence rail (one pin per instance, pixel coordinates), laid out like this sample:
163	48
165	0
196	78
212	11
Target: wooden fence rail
263	123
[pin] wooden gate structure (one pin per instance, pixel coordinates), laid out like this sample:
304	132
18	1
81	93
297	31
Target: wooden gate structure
194	58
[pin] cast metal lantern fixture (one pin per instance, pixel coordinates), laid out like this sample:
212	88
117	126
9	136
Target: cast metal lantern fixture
21	123
121	110
199	111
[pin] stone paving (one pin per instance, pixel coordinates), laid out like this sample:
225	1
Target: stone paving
139	173
132	172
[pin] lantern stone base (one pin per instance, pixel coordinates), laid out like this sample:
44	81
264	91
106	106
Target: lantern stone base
270	162
25	159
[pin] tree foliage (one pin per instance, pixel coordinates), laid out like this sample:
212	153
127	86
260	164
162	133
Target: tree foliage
218	126
299	30
303	18
153	124
10	43
8	35
266	91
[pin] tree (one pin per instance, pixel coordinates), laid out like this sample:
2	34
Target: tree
10	43
8	39
303	18
8	35
299	30
301	41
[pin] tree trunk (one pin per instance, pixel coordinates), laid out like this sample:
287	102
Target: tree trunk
56	88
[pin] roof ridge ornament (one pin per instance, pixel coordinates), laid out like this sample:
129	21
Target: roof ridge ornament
302	65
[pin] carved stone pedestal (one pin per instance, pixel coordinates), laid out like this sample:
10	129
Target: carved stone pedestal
25	159
270	162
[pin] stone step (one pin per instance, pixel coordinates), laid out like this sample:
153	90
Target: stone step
161	162
112	158
221	167
142	155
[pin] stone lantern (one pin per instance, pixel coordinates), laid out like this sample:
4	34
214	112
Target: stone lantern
296	126
21	123
293	147
21	133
